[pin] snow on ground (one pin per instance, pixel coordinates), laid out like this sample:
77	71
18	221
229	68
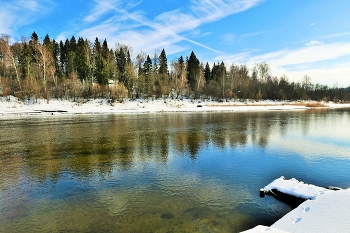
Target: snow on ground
327	211
11	105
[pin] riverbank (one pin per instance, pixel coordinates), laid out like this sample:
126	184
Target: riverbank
325	210
13	106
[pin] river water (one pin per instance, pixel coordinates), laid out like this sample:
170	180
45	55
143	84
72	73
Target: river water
166	172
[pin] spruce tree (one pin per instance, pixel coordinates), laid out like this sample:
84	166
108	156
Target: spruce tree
56	55
192	70
82	60
148	73
62	57
163	64
207	73
121	64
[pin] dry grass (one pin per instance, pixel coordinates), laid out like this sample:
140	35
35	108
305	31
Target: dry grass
306	104
310	104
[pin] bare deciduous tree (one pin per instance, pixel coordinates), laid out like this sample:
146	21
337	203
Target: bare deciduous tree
8	56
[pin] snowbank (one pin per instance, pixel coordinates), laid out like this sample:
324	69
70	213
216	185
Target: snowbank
295	188
11	105
326	211
329	212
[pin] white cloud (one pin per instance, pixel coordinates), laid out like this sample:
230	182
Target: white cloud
18	13
314	42
313	24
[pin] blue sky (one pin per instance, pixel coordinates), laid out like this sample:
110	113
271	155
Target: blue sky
295	37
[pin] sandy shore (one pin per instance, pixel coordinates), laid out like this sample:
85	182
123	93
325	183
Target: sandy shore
13	106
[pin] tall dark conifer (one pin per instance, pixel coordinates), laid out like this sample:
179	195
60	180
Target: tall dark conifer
163	64
121	64
82	60
192	70
207	73
148	73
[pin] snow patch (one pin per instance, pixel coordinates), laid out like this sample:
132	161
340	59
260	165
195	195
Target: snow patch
296	188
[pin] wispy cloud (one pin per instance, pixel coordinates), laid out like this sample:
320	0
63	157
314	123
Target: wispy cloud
231	37
314	42
337	35
147	33
298	62
18	13
313	24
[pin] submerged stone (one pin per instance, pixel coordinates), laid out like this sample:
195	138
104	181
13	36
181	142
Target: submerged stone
167	215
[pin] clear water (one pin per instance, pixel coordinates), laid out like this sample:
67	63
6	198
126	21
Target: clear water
178	172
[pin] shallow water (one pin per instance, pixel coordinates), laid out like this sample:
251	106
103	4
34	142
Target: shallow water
170	172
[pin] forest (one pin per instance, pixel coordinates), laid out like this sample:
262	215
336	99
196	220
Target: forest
81	69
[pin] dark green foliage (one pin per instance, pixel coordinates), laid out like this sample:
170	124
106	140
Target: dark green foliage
121	64
192	70
82	61
207	73
163	64
102	72
148	74
25	60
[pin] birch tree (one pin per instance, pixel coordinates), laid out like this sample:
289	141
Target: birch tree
8	57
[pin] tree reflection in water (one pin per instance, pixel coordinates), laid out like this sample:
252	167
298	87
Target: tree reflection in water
86	144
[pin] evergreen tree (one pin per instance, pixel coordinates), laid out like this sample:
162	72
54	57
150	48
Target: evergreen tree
34	38
56	55
101	73
25	61
128	58
82	60
72	44
192	70
72	56
48	44
148	74
207	73
163	64
62	58
121	64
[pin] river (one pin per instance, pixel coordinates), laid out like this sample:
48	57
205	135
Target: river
164	172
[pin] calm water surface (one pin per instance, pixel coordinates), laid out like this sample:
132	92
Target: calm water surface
192	172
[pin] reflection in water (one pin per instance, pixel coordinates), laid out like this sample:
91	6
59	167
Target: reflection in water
194	172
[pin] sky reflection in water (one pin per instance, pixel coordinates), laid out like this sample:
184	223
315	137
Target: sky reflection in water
163	172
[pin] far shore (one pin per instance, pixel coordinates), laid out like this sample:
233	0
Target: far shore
10	106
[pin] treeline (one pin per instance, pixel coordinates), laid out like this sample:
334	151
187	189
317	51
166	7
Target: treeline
76	69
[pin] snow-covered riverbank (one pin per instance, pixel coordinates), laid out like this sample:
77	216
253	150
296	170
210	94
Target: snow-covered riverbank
325	211
11	105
